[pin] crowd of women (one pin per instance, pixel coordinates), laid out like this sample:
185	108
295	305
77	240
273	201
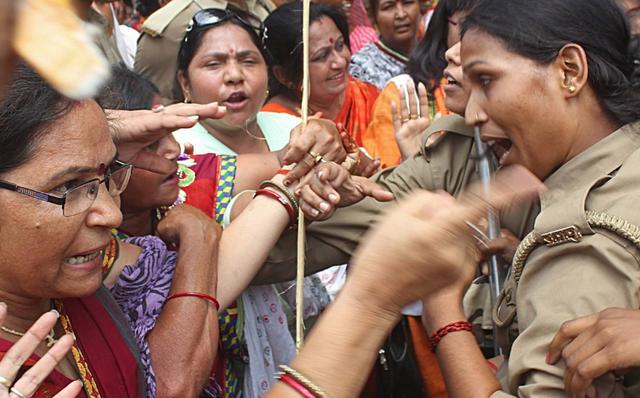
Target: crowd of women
175	280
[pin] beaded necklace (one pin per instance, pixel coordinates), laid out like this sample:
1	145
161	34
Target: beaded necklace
111	254
90	386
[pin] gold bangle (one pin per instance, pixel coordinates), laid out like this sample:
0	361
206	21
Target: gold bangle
302	379
281	188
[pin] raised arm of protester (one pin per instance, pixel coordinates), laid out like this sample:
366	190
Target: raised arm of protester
134	130
410	119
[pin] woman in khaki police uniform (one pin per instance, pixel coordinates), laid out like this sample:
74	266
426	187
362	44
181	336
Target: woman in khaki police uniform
557	96
551	85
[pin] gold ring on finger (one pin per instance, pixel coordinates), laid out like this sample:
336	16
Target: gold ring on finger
405	119
414	117
5	382
17	393
317	158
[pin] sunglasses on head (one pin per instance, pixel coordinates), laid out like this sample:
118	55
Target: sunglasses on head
215	16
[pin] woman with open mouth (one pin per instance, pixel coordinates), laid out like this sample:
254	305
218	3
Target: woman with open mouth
425	66
222	58
561	100
60	179
154	267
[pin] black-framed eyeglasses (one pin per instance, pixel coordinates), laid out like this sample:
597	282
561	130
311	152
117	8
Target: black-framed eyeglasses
215	16
80	198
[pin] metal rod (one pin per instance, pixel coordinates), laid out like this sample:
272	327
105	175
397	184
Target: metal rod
496	270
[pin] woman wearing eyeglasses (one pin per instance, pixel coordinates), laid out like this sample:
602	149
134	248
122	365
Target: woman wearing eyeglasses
58	204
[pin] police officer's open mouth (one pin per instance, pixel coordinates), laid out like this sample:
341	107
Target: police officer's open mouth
501	147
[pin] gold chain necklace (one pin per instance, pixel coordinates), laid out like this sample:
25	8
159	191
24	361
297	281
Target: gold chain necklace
51	340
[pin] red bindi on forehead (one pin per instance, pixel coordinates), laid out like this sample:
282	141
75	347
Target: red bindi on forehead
331	40
232	51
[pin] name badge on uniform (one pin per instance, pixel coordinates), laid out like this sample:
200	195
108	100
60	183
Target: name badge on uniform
560	236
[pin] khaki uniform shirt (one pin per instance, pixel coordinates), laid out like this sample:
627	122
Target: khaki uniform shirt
104	39
583	268
447	164
559	283
162	34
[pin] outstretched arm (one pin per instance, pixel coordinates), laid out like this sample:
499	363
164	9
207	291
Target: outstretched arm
391	270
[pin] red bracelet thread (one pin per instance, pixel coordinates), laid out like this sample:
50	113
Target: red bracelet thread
460	326
283	201
293	383
204	296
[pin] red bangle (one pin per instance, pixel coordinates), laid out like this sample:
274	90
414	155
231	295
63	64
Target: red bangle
204	296
293	383
460	326
283	201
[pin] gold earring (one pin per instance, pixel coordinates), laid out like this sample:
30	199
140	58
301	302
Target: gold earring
572	88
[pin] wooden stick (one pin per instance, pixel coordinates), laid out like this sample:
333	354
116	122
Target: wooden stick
301	225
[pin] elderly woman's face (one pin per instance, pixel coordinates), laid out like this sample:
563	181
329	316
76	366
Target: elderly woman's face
397	21
228	68
329	59
519	103
43	253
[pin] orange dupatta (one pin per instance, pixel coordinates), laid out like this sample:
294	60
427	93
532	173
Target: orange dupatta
357	108
355	113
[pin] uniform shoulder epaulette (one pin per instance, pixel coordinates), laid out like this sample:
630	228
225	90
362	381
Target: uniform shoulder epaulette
159	20
445	124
